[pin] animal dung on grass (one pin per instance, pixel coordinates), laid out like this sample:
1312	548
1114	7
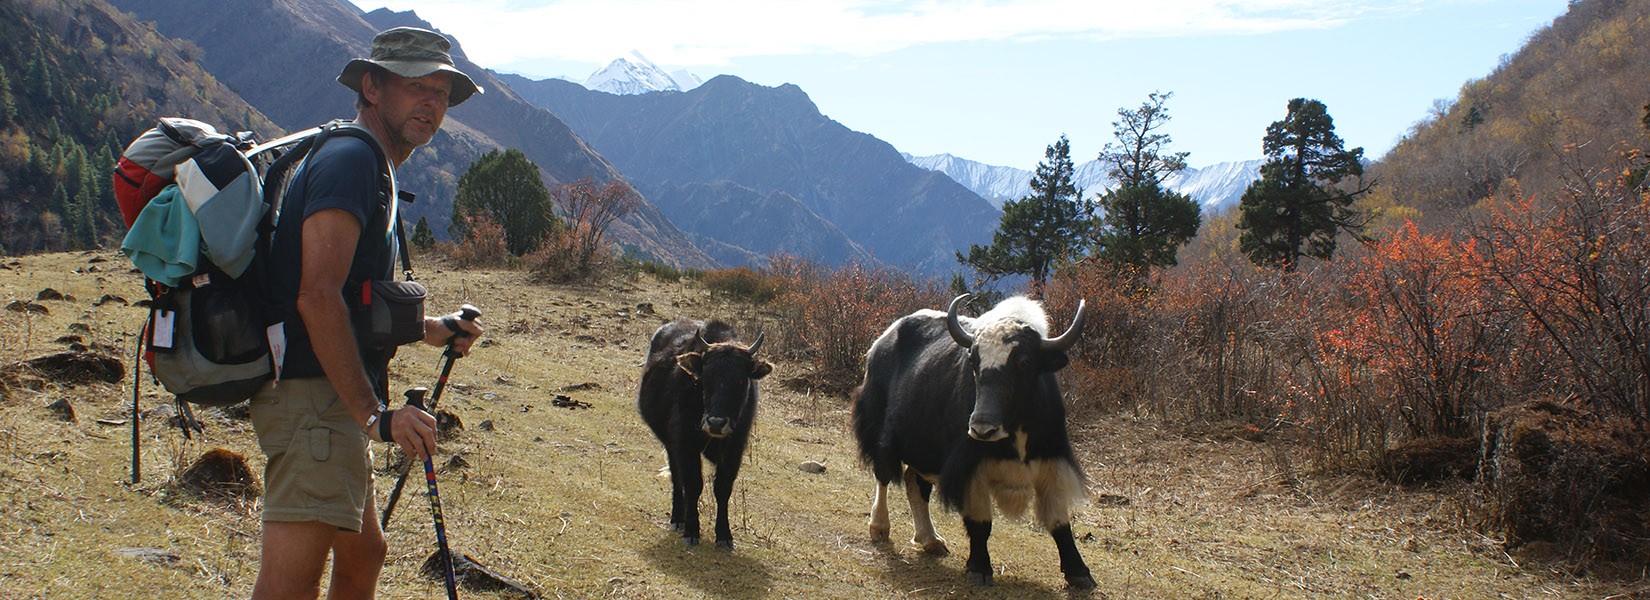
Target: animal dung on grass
221	473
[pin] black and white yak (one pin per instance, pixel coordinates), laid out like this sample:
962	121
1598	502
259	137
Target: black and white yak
698	395
972	405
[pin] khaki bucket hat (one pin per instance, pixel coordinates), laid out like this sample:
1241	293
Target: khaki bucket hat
411	52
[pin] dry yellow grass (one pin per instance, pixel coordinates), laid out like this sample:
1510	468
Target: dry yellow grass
571	502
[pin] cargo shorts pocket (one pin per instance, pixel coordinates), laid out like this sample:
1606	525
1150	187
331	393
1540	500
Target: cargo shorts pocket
320	444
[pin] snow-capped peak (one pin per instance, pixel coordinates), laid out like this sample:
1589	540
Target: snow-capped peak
639	76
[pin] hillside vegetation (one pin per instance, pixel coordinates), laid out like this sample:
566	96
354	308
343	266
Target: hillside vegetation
78	80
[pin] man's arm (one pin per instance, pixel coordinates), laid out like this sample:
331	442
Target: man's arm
329	239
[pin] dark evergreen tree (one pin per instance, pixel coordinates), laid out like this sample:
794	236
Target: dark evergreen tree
1298	205
505	187
1039	230
1142	224
423	238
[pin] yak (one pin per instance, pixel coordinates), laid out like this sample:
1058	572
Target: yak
698	395
972	406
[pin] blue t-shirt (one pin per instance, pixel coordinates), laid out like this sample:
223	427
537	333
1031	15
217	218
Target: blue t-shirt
344	173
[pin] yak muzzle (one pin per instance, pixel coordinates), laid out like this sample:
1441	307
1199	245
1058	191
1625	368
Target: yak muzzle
716	427
986	432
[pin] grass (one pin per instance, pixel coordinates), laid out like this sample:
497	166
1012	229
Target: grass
571	502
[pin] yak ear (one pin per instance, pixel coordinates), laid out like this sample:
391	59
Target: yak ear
1052	361
690	362
761	369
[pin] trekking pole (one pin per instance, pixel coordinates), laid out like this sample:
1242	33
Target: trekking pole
467	313
415	397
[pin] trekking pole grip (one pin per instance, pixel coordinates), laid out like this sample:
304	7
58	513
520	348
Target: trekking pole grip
415	396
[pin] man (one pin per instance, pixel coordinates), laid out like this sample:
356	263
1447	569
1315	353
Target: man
328	401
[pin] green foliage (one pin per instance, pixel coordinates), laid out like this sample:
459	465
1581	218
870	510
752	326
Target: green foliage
1295	209
8	108
423	238
1039	230
1143	225
506	188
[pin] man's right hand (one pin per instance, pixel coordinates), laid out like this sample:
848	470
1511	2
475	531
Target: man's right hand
413	429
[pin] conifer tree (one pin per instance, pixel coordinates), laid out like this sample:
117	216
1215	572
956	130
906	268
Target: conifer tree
1142	224
505	187
1297	206
8	107
423	238
1039	230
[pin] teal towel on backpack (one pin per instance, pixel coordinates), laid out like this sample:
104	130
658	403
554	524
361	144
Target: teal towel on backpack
165	239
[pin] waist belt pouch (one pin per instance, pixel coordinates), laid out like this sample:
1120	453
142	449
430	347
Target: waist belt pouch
391	314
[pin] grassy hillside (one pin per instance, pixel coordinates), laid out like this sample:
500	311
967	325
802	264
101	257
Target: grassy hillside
570	501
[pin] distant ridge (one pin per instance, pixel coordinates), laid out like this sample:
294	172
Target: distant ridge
641	76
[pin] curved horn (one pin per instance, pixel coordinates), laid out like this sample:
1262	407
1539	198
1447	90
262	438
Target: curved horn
1069	338
758	343
963	338
699	334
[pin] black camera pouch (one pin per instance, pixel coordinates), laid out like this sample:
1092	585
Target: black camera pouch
390	314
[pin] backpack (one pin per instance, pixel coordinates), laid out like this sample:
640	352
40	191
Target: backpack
201	207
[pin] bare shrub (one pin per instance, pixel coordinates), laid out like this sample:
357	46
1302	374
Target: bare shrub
483	246
835	314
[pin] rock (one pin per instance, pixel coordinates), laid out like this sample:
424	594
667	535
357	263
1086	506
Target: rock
645	308
486	425
456	462
154	555
812	466
49	294
447	424
108	298
63	409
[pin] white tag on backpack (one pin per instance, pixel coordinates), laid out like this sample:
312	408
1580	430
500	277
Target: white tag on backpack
161	335
277	347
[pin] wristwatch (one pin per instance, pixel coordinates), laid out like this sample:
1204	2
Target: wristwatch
374	419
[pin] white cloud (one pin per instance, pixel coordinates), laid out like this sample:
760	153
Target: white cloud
712	33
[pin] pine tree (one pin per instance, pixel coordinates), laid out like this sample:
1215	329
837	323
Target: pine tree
1297	206
1039	230
505	186
1142	224
423	238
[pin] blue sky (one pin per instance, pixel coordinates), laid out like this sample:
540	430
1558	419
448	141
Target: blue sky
997	81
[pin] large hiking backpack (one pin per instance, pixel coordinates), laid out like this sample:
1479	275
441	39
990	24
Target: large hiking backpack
201	207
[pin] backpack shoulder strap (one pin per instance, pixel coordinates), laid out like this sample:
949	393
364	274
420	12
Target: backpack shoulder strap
387	189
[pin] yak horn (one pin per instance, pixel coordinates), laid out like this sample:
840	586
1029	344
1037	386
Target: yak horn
1069	338
962	336
758	343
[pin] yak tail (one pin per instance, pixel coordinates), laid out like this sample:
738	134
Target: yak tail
869	412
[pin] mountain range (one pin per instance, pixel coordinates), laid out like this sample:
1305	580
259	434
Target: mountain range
1216	187
624	76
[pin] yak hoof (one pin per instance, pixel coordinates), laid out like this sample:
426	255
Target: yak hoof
726	544
936	548
676	526
980	579
1081	582
691	540
879	533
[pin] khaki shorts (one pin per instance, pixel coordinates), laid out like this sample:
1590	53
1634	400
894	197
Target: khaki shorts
320	466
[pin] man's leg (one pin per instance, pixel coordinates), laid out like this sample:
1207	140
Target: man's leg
292	557
357	558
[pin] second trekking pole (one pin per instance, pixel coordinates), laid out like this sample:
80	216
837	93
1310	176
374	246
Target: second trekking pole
467	313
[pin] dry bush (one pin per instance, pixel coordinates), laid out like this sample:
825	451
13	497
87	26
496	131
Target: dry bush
835	314
1559	475
559	258
483	244
745	283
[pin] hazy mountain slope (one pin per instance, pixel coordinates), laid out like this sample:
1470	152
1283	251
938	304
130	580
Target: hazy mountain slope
759	224
284	57
775	140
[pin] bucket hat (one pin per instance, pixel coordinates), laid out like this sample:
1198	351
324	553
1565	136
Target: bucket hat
411	52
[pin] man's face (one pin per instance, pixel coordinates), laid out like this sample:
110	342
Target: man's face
412	108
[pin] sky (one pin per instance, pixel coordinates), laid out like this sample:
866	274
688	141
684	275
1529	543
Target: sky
998	81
